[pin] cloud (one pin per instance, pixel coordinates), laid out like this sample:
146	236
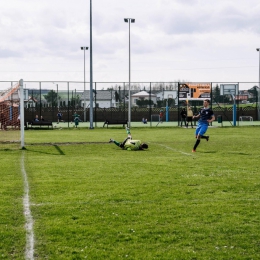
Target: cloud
6	53
171	39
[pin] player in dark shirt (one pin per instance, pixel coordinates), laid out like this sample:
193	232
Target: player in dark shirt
183	116
59	115
206	116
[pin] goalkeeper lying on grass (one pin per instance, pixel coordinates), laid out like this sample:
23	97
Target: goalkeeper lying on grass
129	144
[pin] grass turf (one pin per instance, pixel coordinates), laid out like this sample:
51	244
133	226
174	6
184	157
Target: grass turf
95	201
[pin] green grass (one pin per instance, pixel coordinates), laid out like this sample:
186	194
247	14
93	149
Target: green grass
91	200
12	233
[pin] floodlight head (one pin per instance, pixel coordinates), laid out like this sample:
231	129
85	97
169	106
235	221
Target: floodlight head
257	49
84	48
132	20
126	20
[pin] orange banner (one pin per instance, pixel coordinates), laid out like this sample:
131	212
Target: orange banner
194	90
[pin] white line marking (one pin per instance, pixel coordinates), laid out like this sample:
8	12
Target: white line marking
167	147
29	251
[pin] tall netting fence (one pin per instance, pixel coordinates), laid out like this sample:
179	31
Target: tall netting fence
244	99
223	102
47	100
110	101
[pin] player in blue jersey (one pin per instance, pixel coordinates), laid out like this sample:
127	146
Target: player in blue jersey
206	116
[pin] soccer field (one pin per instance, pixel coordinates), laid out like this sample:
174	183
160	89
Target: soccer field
85	198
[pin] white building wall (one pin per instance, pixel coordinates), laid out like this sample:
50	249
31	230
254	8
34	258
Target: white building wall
168	94
101	103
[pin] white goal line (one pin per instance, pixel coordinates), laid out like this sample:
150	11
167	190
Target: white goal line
29	251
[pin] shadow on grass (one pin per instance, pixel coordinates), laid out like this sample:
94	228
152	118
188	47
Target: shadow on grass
60	152
236	153
246	154
207	151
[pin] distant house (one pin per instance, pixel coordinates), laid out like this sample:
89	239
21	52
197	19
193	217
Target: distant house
166	94
103	98
13	94
143	95
243	95
31	102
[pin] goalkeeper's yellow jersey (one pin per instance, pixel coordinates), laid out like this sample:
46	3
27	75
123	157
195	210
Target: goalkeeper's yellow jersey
132	145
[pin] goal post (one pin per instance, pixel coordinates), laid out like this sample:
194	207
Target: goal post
21	112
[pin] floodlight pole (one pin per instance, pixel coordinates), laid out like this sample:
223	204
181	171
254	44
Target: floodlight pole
258	49
58	105
84	105
129	20
91	75
234	109
57	85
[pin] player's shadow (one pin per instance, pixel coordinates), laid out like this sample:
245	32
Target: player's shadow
240	153
208	152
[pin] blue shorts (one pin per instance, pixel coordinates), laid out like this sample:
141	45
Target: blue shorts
201	128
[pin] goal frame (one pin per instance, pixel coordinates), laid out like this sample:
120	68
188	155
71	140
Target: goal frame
21	112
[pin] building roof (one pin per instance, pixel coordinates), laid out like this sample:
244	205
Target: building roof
143	94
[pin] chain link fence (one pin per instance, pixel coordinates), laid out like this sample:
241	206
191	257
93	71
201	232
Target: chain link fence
46	99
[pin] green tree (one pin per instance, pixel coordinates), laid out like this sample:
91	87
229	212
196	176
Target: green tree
254	93
52	98
216	94
117	98
159	103
144	102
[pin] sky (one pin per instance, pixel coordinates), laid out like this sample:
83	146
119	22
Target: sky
171	40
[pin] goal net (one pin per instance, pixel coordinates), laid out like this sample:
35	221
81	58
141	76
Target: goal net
10	116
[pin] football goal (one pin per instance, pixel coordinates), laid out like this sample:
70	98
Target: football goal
246	118
155	118
12	114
